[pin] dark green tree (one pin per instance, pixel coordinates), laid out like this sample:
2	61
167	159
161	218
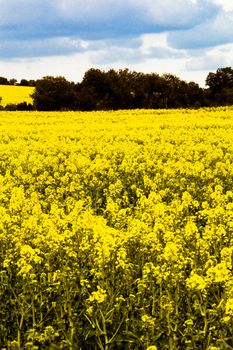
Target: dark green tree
122	89
93	90
4	81
54	94
13	81
220	86
25	82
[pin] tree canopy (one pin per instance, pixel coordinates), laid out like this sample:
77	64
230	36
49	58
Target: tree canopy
122	89
125	89
221	86
53	93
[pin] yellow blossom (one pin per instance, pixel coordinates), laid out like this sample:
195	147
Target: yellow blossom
196	282
99	296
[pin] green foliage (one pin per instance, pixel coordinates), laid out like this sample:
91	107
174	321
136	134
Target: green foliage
221	86
53	93
113	90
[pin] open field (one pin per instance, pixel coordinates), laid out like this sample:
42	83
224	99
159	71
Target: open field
116	230
15	94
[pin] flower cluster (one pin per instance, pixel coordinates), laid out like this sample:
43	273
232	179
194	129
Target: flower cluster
116	228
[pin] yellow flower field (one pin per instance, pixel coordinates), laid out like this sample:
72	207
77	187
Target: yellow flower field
15	94
116	230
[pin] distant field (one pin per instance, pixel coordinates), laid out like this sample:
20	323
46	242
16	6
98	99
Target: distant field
15	94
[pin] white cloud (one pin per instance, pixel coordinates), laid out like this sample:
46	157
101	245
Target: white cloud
72	67
212	59
210	33
91	10
158	12
227	5
180	14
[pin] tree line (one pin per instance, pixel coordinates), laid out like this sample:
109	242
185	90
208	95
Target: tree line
14	82
125	89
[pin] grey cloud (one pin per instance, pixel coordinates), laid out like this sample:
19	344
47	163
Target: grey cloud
135	16
40	47
26	26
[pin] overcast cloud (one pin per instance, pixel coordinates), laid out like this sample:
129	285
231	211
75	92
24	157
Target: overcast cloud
114	33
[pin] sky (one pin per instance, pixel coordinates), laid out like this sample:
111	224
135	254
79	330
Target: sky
188	38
